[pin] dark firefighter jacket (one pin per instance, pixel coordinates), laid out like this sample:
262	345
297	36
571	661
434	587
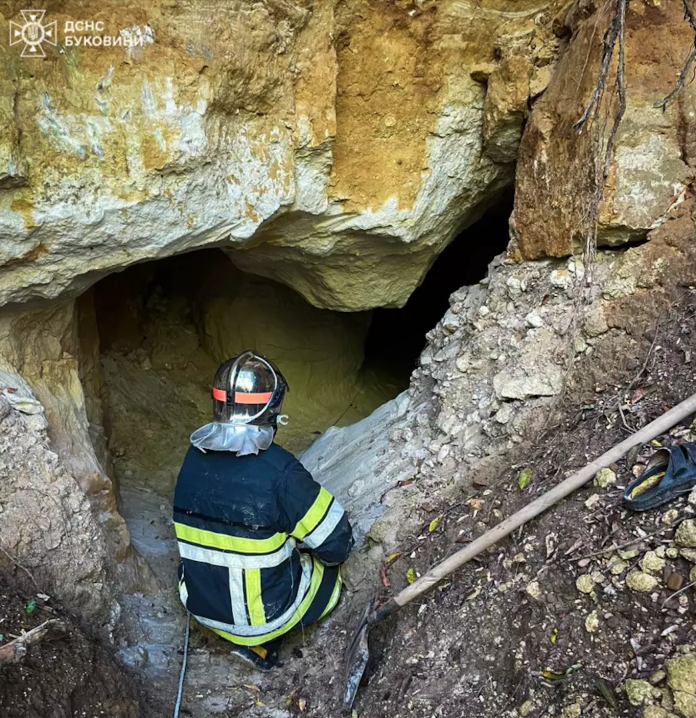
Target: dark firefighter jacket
238	521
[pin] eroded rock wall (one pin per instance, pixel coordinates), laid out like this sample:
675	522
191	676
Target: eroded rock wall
336	147
496	368
61	508
651	168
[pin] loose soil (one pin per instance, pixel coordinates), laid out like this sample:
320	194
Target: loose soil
66	677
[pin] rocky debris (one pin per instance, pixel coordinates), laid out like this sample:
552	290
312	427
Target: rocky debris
66	547
640	581
604	478
686	534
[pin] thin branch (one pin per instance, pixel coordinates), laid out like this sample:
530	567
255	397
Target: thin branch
14	651
676	593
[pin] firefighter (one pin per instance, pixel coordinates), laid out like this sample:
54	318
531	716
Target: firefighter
260	541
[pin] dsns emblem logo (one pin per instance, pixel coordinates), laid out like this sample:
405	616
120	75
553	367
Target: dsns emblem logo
33	33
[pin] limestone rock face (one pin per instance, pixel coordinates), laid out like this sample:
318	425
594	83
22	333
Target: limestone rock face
47	366
653	154
334	147
496	364
46	521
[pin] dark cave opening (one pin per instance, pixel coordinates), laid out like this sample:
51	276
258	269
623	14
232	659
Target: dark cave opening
397	336
164	326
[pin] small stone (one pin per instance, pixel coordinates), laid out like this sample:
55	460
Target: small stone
685	704
534	320
652	562
592	623
641	582
675	582
692	574
692	498
585	583
534	590
686	534
688	553
669	517
657	677
681	673
638	692
525	709
592	502
628	554
617	565
655	712
574	710
604	478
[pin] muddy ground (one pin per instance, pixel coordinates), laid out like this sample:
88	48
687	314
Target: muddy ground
65	676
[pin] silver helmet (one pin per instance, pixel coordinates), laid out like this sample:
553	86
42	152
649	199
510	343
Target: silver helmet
248	389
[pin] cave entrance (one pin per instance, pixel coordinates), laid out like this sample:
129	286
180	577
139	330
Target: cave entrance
397	336
165	326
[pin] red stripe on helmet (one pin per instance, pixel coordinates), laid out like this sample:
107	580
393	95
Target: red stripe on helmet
219	394
249	398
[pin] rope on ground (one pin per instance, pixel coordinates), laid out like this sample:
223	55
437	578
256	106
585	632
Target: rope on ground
183	667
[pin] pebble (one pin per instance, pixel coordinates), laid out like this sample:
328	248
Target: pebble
585	583
652	563
592	502
534	590
669	517
686	534
604	478
681	673
592	623
617	566
638	692
641	581
675	582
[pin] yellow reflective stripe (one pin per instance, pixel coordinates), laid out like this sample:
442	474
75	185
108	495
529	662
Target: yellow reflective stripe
252	581
317	575
228	543
335	595
315	514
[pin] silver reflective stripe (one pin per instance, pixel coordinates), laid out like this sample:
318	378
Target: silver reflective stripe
183	592
237	597
235	560
326	526
307	568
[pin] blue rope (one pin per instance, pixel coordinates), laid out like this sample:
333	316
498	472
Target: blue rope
183	667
